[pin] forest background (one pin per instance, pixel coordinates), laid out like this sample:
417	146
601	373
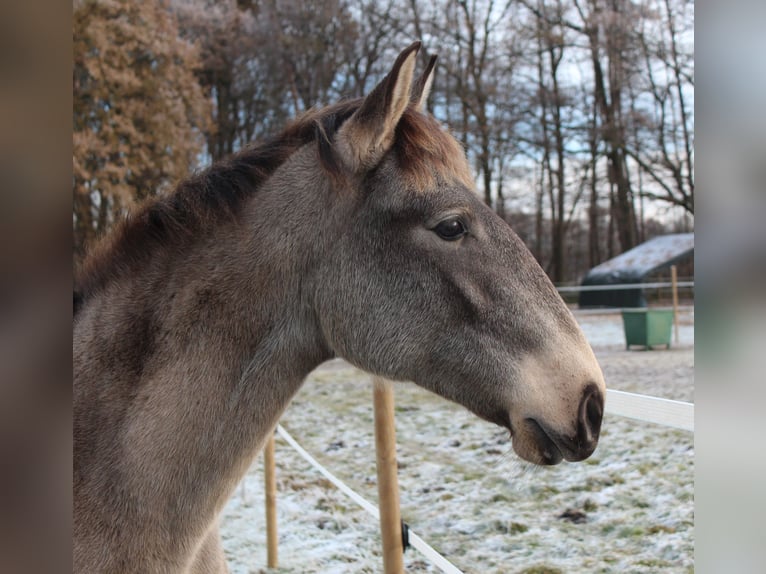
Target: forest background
577	115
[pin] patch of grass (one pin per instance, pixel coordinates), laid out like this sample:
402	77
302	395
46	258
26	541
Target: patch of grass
329	524
545	491
653	563
344	558
595	483
298	485
406	408
542	569
644	468
505	527
473	476
660	528
589	505
632	532
686	496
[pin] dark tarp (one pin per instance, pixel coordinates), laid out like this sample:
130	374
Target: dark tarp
632	267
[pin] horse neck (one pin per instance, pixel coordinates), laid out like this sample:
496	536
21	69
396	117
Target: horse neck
204	349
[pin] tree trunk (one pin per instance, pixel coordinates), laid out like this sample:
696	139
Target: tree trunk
594	240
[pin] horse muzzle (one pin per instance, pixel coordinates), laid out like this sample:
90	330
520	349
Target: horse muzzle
537	442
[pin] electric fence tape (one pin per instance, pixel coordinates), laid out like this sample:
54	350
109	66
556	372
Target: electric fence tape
415	541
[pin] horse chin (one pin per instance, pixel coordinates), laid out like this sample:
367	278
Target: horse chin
533	444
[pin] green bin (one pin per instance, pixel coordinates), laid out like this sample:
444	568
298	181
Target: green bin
647	327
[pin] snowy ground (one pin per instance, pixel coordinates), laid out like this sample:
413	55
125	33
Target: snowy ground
630	507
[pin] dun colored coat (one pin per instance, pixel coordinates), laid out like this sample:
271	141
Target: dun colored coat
355	233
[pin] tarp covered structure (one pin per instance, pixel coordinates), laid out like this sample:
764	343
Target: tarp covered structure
632	267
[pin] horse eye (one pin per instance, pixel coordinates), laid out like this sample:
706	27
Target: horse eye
450	229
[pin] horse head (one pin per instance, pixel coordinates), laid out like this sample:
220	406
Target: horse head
425	283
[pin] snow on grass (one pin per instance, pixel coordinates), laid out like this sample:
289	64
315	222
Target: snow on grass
629	508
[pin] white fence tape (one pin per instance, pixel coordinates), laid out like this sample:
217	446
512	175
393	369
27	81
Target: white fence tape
415	541
666	412
436	559
618	286
328	475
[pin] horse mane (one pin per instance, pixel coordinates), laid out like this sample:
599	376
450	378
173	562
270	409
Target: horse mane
218	192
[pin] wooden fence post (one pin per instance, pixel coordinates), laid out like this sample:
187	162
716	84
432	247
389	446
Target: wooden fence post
388	483
271	502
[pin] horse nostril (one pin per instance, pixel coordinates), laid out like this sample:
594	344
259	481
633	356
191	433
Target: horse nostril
590	413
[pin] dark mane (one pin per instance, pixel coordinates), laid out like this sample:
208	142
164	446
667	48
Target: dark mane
211	195
218	192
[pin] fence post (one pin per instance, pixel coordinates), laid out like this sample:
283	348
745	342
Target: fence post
674	281
271	502
388	484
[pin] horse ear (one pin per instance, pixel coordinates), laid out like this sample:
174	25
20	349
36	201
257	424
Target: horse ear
422	87
369	132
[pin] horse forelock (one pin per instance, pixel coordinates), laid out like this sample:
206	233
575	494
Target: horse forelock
427	153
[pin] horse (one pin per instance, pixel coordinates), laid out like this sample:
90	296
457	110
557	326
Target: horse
357	232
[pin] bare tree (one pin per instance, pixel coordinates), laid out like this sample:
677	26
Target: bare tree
264	62
313	40
664	138
608	26
480	63
556	126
